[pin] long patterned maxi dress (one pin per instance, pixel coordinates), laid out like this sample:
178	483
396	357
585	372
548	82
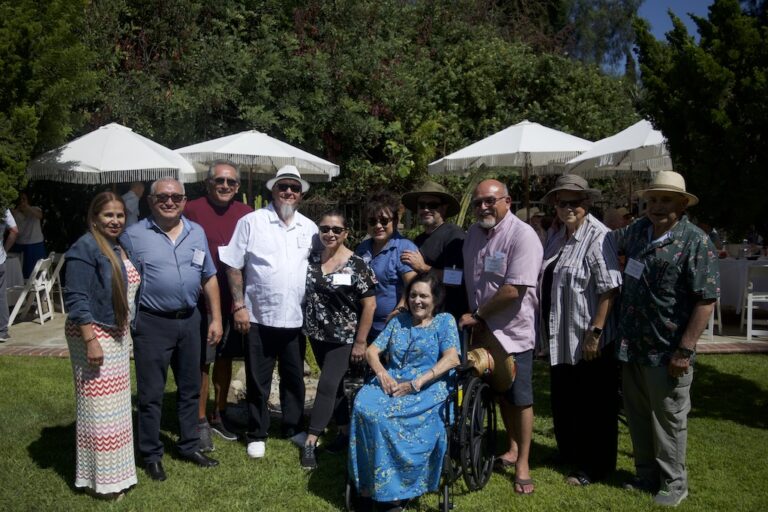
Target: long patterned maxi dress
105	460
397	444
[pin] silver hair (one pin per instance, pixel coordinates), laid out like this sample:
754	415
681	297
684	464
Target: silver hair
212	168
153	187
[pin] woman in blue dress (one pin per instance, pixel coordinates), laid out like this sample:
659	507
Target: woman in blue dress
397	434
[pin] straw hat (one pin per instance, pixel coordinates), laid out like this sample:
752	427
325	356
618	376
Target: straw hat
570	182
669	181
288	172
410	199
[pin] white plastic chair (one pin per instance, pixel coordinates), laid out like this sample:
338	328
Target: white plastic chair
57	287
36	290
715	319
754	293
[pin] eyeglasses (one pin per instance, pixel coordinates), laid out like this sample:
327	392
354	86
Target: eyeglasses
229	181
163	198
573	203
487	201
337	230
384	221
433	205
293	187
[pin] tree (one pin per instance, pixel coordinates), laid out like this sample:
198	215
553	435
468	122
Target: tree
709	100
44	83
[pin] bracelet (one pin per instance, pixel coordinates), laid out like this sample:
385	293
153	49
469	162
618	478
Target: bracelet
434	374
476	315
238	309
91	339
415	387
401	309
685	352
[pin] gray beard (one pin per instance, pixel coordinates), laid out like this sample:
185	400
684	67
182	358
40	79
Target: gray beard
286	211
487	222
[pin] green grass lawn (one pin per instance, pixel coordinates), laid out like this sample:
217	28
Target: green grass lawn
727	455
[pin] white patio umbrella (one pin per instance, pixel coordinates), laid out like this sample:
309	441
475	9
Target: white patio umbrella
637	148
261	154
111	154
525	145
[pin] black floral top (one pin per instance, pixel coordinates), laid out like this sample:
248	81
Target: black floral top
332	303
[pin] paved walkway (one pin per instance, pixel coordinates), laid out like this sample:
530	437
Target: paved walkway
33	339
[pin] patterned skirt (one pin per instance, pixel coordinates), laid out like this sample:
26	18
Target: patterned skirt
105	453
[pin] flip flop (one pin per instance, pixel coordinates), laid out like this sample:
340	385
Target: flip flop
520	484
501	465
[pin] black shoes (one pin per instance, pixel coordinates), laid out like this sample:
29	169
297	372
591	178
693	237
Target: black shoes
155	471
200	459
308	459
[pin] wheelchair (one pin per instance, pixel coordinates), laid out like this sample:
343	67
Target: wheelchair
470	422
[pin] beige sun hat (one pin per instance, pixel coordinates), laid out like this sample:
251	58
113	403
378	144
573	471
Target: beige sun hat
669	181
288	172
532	212
570	182
410	199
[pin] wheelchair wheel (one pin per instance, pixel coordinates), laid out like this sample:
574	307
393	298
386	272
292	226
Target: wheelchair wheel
477	434
350	496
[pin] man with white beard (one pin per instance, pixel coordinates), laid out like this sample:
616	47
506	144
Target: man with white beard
267	259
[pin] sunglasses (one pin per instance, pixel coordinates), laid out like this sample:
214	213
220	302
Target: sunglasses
573	203
487	201
372	221
434	205
293	187
337	230
163	198
231	182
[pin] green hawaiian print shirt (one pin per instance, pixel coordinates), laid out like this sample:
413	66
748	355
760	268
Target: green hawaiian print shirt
663	281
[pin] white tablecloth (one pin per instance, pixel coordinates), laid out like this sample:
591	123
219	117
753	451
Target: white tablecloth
13	276
733	280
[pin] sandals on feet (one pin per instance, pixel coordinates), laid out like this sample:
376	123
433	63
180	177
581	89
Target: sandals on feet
520	484
501	465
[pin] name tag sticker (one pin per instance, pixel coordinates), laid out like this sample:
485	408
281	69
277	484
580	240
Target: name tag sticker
341	280
634	268
495	263
198	257
452	276
303	241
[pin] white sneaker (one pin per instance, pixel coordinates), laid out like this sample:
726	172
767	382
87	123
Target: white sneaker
256	449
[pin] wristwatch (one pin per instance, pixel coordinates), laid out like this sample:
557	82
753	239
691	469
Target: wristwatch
685	352
476	316
597	331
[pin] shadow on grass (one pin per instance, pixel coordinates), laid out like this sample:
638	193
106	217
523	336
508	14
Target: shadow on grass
727	396
55	449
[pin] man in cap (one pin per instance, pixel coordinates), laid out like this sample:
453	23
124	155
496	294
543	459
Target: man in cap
502	258
671	282
172	255
268	257
440	244
218	212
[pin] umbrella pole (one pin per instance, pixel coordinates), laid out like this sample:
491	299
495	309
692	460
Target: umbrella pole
527	192
250	188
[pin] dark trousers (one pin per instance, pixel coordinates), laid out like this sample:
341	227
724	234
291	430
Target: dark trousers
264	347
157	343
333	360
585	413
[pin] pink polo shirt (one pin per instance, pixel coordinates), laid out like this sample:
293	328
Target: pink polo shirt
509	253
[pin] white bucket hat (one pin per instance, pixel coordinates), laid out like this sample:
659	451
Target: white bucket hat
669	181
288	172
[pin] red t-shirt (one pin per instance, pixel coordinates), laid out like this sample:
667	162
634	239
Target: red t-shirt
219	224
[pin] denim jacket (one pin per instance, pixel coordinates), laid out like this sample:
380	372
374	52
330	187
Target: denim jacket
88	283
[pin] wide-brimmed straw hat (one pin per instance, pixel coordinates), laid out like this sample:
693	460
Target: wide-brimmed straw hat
572	182
669	181
288	172
410	199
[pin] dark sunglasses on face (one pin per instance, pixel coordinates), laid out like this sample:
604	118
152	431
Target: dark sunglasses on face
372	221
573	203
163	198
229	181
433	205
486	201
294	187
336	229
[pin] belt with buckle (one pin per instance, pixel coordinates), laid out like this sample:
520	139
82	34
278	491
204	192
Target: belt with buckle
179	314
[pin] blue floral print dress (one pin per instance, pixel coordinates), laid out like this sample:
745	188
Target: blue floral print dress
397	444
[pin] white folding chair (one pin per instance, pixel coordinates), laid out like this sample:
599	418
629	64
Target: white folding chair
37	290
57	287
715	319
755	292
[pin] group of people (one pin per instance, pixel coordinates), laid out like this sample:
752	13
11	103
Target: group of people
280	279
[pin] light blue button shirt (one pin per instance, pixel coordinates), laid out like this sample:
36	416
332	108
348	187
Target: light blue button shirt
171	273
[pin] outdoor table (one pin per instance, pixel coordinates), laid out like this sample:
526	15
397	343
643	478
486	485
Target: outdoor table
733	280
